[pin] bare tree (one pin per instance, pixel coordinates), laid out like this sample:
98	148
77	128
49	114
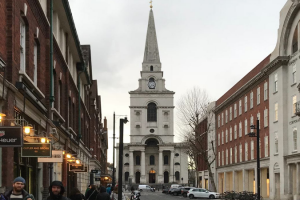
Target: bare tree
193	108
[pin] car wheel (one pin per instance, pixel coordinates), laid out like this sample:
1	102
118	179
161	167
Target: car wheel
184	195
211	196
191	196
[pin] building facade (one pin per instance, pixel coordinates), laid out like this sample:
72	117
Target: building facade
152	157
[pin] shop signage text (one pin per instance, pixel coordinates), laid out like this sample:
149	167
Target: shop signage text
36	150
11	136
57	157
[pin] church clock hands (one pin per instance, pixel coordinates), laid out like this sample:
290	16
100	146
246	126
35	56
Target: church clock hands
151	84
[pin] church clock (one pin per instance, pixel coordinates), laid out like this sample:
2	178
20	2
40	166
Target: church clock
151	83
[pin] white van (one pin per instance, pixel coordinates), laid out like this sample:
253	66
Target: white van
175	186
144	188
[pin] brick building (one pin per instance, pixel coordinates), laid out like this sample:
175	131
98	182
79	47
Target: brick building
236	110
72	117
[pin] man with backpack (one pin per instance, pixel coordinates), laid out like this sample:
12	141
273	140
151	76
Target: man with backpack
18	192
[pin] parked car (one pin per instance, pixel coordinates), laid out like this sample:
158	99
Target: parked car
171	189
175	186
144	188
202	193
184	190
176	191
166	190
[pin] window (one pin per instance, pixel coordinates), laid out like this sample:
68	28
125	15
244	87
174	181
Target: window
219	139
35	59
240	129
226	116
235	154
22	45
222	157
235	131
230	155
295	139
294	104
265	91
258	118
137	160
222	119
246	151
151	68
276	142
230	133
218	120
251	100
230	113
276	112
246	127
219	158
226	156
245	106
295	41
152	160
235	111
226	136
294	78
252	149
266	146
240	107
151	112
166	160
275	83
265	117
251	120
126	176
222	137
177	175
258	95
241	153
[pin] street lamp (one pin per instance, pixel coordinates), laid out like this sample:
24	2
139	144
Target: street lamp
252	134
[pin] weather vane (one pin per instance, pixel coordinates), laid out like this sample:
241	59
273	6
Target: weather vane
151	4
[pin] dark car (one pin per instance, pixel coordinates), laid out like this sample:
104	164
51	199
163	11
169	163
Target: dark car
165	190
170	190
184	190
176	191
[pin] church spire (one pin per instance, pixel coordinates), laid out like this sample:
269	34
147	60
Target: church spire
151	54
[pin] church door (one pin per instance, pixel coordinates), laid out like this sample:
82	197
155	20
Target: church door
166	177
152	176
137	177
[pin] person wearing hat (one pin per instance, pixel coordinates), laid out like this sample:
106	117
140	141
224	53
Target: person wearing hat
56	190
18	192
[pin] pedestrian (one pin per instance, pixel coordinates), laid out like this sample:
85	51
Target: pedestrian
114	194
87	189
18	192
2	197
92	193
103	195
108	189
56	190
76	195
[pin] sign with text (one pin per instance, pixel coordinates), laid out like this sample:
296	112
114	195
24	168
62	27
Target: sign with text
85	170
11	136
57	157
94	171
76	167
36	150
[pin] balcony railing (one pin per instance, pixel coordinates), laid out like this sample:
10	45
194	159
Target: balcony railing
297	108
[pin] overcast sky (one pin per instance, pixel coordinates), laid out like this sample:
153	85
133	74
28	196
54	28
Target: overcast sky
211	44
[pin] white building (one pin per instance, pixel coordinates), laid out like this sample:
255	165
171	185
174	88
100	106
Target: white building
152	156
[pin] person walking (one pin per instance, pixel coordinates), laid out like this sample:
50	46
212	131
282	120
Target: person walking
92	193
76	195
18	192
56	190
103	195
87	189
108	190
114	194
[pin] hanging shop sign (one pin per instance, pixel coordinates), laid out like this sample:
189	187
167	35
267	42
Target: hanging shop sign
85	170
36	150
11	136
76	167
57	157
94	171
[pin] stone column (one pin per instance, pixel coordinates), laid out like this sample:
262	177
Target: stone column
290	179
172	172
245	180
160	167
131	164
297	179
143	163
225	183
234	181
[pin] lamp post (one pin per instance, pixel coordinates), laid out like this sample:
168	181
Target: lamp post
122	122
252	134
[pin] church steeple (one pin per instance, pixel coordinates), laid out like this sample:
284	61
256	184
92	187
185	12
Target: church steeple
151	55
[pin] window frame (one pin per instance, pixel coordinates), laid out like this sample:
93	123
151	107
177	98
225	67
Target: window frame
294	74
246	151
151	112
276	82
265	91
23	31
240	107
276	142
241	153
251	99
258	95
276	112
266	146
245	104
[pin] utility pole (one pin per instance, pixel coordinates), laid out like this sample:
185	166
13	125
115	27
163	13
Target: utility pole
114	137
258	159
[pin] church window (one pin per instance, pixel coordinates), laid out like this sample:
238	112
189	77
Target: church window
176	154
137	160
151	68
177	176
151	112
295	41
126	155
126	164
152	161
166	160
137	177
177	163
126	176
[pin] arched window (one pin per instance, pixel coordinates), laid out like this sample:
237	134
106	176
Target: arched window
151	112
177	163
166	160
126	176
151	68
166	177
137	160
177	175
295	41
137	177
152	160
126	164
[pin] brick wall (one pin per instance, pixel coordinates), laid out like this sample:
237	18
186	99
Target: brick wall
201	137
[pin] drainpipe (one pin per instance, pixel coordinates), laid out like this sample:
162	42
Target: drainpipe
79	106
51	56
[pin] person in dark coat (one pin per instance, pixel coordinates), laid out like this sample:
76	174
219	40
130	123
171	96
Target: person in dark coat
103	195
76	195
56	190
18	192
92	193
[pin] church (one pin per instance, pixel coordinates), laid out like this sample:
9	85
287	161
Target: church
152	157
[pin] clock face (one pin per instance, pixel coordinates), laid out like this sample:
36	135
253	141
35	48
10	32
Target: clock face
151	84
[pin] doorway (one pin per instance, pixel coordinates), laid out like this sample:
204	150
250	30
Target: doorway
152	174
137	177
277	186
166	177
